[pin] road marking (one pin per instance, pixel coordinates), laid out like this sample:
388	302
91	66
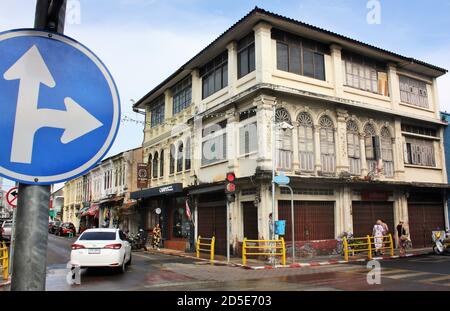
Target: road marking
385	271
170	284
436	279
406	275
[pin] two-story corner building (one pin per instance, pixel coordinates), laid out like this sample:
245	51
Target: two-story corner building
355	127
73	201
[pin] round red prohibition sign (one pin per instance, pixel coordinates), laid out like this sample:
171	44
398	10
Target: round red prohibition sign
11	196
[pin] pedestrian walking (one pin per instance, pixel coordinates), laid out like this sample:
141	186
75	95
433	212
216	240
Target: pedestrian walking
385	233
378	237
402	238
271	259
156	237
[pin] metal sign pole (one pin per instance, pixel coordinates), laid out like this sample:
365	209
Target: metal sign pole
292	221
228	231
34	201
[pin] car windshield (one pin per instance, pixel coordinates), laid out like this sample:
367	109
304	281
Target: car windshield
98	236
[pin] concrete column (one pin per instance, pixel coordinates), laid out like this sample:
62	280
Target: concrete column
436	105
399	166
400	209
264	209
362	150
317	160
263	52
338	74
232	67
343	212
196	142
264	118
196	89
295	149
394	86
341	141
168	111
232	139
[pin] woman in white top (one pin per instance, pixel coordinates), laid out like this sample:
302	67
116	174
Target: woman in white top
378	231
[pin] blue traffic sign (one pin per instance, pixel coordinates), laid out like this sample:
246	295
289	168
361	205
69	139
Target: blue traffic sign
59	107
281	179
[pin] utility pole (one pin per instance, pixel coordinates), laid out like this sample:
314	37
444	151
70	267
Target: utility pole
31	233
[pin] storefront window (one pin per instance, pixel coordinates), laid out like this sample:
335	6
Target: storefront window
179	223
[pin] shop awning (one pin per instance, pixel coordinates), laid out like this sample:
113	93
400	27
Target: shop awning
83	210
92	211
157	191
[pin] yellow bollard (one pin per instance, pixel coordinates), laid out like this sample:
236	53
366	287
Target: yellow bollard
283	245
198	247
244	257
345	246
5	261
213	242
392	244
369	246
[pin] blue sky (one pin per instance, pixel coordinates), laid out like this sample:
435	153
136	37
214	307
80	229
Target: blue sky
143	41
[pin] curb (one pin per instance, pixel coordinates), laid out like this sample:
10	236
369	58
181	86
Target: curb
3	284
329	262
296	265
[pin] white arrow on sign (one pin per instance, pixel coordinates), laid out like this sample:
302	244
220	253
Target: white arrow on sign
31	70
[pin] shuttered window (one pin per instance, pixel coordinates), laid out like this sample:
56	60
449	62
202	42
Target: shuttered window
354	155
246	55
387	154
157	112
161	164
248	139
413	92
299	55
365	74
419	151
155	166
180	158
214	75
327	147
306	142
172	159
214	145
187	161
283	140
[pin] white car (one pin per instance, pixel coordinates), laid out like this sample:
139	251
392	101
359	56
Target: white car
101	248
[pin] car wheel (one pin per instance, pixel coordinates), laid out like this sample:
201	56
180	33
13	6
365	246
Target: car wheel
129	260
122	268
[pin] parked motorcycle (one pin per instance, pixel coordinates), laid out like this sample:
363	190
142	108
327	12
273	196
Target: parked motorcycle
138	241
441	242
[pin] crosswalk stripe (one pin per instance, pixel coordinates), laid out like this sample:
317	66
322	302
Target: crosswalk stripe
393	271
435	279
406	275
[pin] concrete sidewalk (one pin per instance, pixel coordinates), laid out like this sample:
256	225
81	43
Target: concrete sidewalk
255	264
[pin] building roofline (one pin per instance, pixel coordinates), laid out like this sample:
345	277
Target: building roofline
261	11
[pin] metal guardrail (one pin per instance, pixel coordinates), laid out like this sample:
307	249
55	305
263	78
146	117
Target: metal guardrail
201	243
4	258
272	246
367	245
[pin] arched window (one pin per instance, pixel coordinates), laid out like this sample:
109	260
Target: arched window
327	148
386	152
161	164
354	154
305	142
283	139
369	142
155	165
187	159
172	159
180	158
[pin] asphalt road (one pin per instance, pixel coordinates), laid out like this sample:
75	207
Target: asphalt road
158	272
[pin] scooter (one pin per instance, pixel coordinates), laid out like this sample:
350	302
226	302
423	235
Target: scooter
138	241
441	242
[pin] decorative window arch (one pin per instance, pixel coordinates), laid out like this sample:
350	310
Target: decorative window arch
327	145
353	150
187	159
283	140
161	163
172	159
370	138
180	157
305	141
387	154
155	165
